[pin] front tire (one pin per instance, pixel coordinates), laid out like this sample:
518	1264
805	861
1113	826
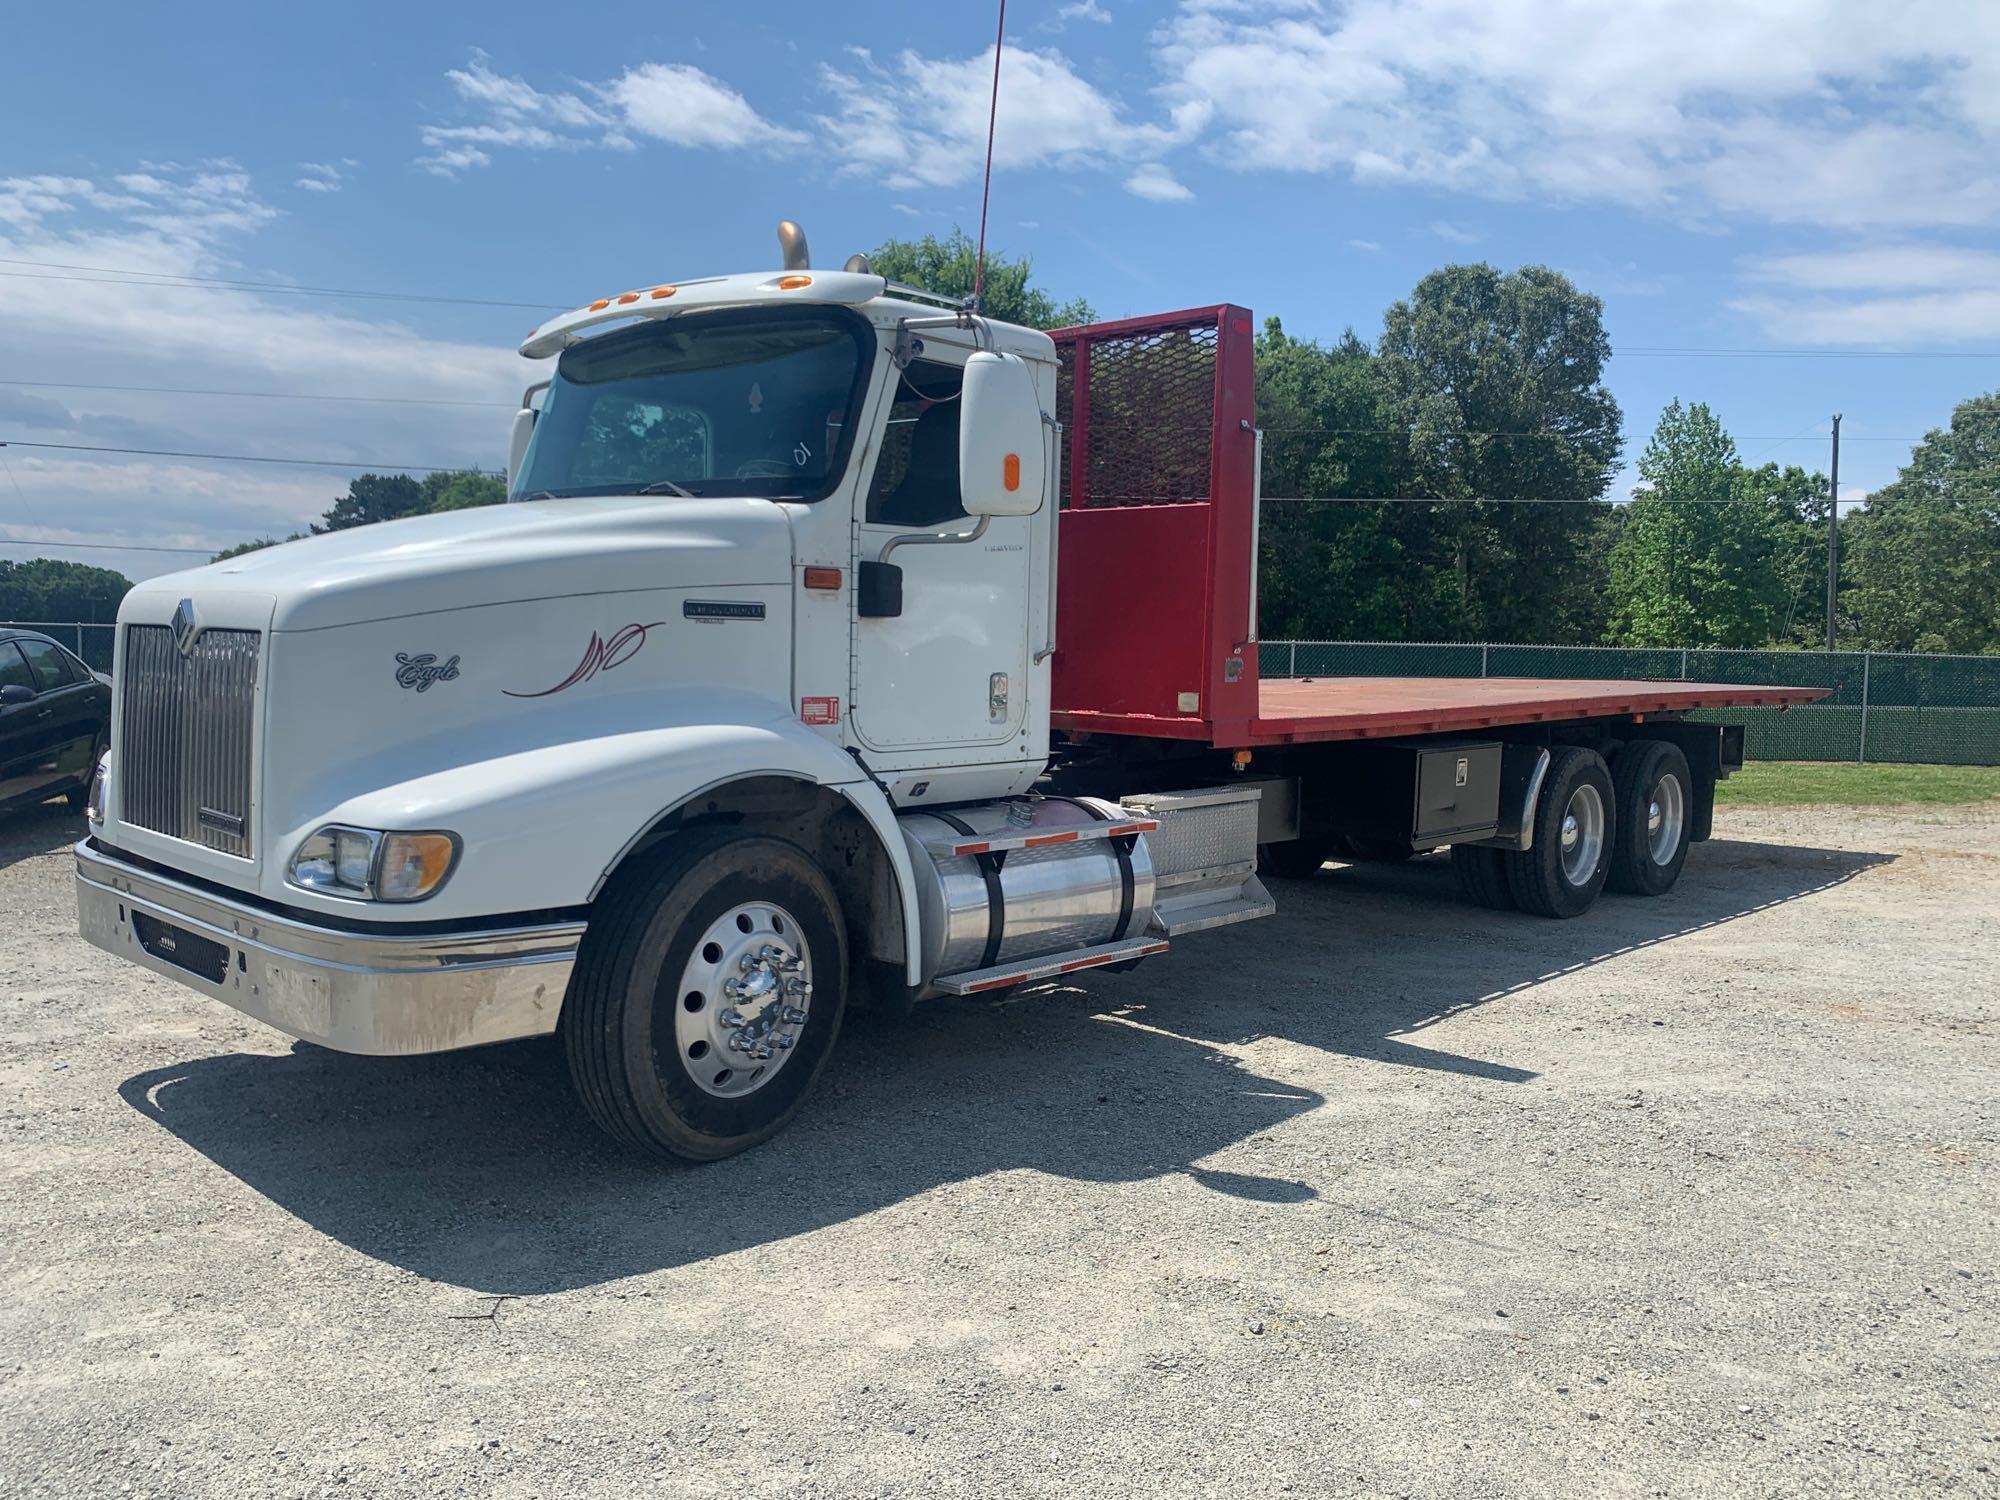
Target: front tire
1655	800
707	995
1563	872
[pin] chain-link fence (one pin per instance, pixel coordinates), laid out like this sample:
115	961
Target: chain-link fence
1937	710
91	642
1883	706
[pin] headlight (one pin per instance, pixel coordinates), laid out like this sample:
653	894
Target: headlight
99	781
364	864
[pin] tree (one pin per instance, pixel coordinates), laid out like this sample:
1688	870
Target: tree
1922	570
1327	571
371	498
1497	381
947	266
44	589
461	489
1710	553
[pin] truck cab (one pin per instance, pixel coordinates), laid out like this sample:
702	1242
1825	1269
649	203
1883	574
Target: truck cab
776	578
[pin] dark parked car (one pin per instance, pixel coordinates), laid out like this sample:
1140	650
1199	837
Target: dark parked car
55	719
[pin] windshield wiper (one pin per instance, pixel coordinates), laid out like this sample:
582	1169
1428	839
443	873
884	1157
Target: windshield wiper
665	487
539	495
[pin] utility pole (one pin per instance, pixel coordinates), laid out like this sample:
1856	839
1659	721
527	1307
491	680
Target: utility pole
1833	535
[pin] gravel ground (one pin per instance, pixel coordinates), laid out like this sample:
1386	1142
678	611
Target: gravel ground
1386	1195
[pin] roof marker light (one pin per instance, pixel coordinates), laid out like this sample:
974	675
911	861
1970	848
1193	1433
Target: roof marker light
628	297
663	291
793	283
600	304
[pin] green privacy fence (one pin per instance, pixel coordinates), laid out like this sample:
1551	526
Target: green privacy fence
1882	706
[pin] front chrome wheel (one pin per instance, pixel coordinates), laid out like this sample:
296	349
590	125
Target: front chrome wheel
744	998
1582	835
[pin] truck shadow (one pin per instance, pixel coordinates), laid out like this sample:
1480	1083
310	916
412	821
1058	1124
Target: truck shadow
37	829
478	1170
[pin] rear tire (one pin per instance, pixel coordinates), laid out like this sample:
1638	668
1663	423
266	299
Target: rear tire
1482	875
1563	873
663	1055
1655	802
1295	859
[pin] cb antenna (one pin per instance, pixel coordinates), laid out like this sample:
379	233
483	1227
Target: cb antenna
986	188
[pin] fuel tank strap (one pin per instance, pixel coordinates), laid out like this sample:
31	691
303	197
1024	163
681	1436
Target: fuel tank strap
996	901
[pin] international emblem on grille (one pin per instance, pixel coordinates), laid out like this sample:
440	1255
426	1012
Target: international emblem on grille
185	629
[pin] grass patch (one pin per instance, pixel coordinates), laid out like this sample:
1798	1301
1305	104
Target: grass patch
1800	783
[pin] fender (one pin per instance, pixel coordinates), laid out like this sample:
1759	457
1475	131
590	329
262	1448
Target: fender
545	820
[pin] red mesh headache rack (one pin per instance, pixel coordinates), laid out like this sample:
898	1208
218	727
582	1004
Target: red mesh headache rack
1155	588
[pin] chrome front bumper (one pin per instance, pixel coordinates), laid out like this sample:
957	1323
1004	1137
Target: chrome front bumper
353	992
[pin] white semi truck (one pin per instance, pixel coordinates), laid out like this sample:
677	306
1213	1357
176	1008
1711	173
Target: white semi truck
838	643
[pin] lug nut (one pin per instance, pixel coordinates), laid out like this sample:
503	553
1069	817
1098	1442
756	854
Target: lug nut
791	1015
730	1018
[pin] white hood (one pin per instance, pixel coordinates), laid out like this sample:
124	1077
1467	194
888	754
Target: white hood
500	554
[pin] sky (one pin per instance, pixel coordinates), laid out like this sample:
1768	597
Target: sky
1805	191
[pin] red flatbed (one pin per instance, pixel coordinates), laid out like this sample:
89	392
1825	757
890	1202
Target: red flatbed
1313	710
1159	551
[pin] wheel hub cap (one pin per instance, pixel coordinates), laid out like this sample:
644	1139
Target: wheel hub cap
1666	815
1582	835
744	997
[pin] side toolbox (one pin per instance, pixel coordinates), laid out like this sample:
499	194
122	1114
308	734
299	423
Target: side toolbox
1421	793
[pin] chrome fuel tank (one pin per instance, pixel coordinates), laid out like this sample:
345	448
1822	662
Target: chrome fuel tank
999	882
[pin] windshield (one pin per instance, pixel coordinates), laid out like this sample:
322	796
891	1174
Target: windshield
758	402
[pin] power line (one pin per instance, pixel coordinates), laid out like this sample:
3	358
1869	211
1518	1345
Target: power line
1642	349
21	541
123	275
1494	500
175	280
252	458
182	390
1557	437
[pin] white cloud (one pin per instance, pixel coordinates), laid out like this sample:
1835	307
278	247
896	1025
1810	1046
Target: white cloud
192	221
1155	182
922	121
1886	295
324	176
684	106
1369	247
1793	110
1084	10
1457	234
669	102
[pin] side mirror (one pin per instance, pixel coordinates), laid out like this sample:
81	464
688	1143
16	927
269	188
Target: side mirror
517	444
14	693
1002	453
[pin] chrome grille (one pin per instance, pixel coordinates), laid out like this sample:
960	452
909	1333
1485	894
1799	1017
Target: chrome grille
188	724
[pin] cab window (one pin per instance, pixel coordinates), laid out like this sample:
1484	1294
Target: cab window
916	477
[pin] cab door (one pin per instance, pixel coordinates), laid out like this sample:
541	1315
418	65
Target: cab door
951	671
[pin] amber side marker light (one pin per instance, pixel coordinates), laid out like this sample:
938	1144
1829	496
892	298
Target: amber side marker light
822	578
